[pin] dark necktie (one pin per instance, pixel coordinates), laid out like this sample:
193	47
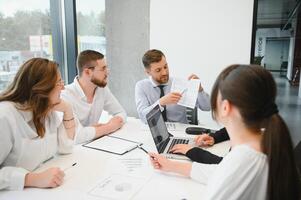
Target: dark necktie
161	95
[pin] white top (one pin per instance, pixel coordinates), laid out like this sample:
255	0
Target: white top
242	174
89	114
21	150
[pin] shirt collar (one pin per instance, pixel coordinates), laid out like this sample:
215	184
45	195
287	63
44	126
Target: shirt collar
26	114
78	88
155	83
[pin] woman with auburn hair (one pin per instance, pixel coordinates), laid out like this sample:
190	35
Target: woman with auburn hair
35	125
261	163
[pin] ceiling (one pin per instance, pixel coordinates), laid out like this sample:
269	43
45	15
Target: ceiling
274	13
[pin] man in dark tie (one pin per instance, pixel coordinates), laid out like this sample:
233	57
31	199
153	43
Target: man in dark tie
156	90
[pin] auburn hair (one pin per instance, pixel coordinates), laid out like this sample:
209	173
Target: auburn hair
31	87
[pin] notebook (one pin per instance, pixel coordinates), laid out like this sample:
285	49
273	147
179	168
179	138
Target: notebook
113	144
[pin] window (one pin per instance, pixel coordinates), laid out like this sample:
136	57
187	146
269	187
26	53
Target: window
91	25
25	32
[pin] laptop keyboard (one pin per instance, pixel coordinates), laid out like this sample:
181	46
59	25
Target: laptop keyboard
177	141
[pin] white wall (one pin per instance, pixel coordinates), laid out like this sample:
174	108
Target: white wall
202	37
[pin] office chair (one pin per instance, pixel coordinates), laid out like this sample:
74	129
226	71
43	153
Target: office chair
283	68
192	115
297	152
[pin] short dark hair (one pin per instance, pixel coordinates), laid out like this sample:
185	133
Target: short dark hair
85	58
152	56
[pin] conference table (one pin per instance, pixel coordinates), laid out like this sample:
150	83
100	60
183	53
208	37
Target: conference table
101	175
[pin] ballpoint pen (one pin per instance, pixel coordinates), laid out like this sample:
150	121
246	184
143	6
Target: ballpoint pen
140	147
183	91
70	166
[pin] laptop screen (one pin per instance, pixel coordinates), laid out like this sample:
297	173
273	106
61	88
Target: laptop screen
157	126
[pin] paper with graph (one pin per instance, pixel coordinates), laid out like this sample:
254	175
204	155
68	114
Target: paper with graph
188	89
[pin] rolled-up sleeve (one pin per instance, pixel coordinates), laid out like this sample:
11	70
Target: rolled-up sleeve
12	178
84	134
112	106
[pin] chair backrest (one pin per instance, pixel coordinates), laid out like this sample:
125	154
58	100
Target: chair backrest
297	152
192	115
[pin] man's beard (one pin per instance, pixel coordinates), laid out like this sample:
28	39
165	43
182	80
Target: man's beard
163	80
99	83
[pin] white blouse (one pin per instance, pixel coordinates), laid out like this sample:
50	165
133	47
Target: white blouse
21	150
242	174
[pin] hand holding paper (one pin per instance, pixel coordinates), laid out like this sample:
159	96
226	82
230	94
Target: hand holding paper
188	89
170	98
193	76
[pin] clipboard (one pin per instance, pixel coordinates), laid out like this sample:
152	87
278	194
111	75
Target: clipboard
113	144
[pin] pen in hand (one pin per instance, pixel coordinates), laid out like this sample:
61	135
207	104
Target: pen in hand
69	167
183	91
140	147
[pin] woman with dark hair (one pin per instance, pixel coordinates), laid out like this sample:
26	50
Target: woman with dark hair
261	163
35	124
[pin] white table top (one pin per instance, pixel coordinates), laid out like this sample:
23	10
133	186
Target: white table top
93	165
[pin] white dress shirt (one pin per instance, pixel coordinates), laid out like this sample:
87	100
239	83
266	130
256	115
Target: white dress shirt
21	149
89	113
147	95
242	174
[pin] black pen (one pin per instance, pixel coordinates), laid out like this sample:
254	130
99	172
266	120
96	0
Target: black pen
140	147
70	166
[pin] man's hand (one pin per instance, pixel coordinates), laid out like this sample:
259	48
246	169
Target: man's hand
115	123
104	129
193	76
170	98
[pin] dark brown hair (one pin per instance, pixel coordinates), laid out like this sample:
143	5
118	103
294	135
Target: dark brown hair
152	56
85	59
252	90
30	88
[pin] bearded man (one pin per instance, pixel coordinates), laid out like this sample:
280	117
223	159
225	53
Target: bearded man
155	90
89	96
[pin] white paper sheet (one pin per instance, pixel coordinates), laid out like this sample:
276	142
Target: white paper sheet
189	90
117	187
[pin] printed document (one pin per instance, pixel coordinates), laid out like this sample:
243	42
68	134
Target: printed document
188	89
118	187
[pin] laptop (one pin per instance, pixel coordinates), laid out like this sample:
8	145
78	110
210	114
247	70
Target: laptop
164	141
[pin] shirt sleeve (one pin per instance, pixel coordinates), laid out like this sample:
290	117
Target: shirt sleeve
220	136
203	101
241	175
202	156
112	106
11	178
84	134
142	103
202	172
65	144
